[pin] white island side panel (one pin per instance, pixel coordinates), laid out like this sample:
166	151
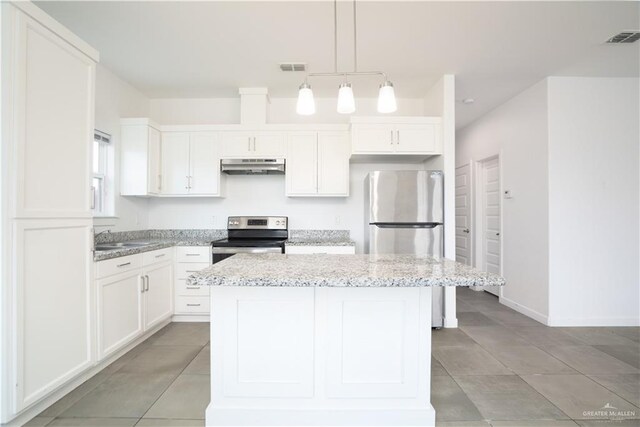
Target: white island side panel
320	356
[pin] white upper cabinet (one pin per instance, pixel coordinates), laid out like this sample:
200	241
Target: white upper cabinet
190	164
259	144
175	163
140	170
396	135
318	164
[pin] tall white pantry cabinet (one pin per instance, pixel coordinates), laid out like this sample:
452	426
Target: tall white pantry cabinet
48	77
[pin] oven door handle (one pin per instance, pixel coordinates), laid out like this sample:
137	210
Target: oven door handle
227	250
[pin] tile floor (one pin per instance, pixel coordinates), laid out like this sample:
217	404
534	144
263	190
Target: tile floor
499	368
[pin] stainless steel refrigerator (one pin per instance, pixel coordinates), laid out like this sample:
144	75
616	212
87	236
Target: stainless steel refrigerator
405	215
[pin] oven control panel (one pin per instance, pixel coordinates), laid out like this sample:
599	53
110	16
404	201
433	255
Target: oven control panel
258	223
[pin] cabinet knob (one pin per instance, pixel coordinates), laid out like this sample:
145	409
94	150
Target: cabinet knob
466	230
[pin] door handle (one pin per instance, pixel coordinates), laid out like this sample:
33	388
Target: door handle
466	230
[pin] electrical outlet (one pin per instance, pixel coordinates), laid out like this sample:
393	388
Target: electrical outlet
508	194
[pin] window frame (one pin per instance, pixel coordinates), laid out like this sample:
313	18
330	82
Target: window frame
100	205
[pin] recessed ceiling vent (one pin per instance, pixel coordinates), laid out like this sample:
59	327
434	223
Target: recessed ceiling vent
625	37
293	66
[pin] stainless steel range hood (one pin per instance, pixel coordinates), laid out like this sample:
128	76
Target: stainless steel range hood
253	166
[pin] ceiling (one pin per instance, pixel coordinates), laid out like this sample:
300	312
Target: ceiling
496	49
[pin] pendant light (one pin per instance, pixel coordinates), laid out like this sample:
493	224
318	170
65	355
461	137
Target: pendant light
306	105
346	102
386	98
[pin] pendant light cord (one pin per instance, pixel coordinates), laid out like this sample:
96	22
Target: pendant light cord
335	36
355	40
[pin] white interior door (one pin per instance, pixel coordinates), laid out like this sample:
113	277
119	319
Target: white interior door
491	247
464	248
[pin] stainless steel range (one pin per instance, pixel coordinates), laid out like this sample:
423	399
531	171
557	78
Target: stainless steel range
252	234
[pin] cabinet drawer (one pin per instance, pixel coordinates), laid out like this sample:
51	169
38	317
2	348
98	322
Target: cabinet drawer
118	265
184	270
192	305
182	289
320	250
194	254
161	255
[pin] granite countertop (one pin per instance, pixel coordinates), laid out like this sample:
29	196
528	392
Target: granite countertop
341	271
151	245
319	238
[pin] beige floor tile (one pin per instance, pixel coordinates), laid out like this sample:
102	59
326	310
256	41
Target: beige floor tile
437	369
511	318
629	354
576	395
508	397
626	386
449	337
534	423
186	398
201	365
545	336
158	422
184	333
165	359
94	422
631	333
597	336
450	402
475	318
473	360
589	360
528	359
38	421
489	336
78	393
121	396
481	423
611	423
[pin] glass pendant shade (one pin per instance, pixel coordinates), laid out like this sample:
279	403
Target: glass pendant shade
306	105
386	98
346	103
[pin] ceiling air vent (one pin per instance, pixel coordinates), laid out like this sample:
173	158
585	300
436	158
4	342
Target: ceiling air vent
625	37
293	66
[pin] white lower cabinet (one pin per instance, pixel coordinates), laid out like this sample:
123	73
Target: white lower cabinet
191	301
132	301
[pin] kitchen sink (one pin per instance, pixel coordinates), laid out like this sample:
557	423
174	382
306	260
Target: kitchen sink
120	245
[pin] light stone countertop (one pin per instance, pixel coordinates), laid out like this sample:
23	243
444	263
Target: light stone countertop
152	246
319	238
341	271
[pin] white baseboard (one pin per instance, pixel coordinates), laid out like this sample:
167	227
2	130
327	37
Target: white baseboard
525	310
593	321
450	323
320	417
190	318
27	414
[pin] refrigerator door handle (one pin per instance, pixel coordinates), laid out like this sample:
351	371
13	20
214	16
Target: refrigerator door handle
406	224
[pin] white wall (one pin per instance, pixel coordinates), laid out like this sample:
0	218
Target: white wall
517	131
265	195
281	110
594	200
116	99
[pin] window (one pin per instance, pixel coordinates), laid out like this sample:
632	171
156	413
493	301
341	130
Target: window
101	145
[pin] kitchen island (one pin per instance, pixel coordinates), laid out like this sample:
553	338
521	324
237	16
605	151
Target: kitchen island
325	339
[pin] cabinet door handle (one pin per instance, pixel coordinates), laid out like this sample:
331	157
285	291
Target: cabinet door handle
124	265
159	182
187	186
254	143
93	197
142	283
249	144
160	256
391	137
193	287
193	305
190	185
192	254
398	137
147	288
